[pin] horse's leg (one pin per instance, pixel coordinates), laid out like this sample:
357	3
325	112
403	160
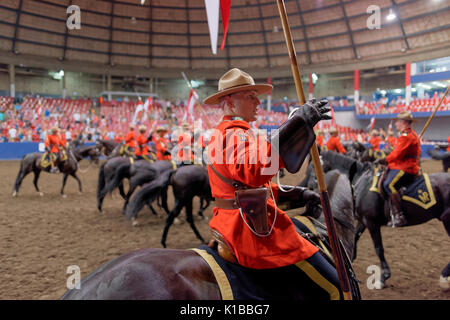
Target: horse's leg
74	175
375	233
164	200
169	221
127	199
35	181
152	209
200	211
444	281
358	232
63	184
122	191
190	220
21	175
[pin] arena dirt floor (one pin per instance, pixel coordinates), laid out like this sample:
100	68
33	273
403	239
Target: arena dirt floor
40	236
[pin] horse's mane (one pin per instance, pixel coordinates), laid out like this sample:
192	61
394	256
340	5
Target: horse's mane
345	164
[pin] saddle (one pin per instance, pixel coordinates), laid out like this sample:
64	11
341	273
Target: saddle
420	192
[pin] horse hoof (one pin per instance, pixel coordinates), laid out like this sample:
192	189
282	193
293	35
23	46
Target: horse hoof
444	282
134	222
80	193
41	194
177	221
14	194
64	196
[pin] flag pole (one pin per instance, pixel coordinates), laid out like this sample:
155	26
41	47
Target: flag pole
334	241
432	115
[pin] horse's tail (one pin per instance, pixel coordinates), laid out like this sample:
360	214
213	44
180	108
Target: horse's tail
120	173
148	193
20	176
100	184
144	176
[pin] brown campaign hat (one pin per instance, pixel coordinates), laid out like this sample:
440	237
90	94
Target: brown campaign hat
233	81
405	115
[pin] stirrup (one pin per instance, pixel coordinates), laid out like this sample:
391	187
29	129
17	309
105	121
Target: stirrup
398	220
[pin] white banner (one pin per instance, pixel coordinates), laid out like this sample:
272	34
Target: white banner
212	12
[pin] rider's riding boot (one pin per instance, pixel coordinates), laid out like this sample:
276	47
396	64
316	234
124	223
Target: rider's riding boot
398	219
54	170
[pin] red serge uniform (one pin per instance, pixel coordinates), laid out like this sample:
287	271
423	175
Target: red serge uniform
63	140
130	140
448	148
283	246
319	140
334	144
161	148
185	141
118	138
375	142
142	147
406	154
391	140
53	142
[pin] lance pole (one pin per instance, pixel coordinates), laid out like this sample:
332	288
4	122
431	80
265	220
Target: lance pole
334	241
432	115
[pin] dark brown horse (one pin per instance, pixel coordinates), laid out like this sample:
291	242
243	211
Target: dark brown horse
109	148
442	156
187	182
138	173
372	211
32	163
168	274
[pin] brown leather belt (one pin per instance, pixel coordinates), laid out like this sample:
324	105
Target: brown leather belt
227	204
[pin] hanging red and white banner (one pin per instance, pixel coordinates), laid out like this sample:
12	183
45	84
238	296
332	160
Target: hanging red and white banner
212	13
356	85
408	83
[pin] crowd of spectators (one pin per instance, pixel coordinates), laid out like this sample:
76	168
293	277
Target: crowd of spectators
397	105
93	119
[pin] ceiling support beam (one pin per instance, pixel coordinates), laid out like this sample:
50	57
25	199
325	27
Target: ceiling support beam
263	31
305	36
350	34
394	4
16	26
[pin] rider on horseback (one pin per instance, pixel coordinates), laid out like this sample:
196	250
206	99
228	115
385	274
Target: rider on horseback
375	140
142	149
334	143
130	142
52	148
162	152
242	186
185	142
403	164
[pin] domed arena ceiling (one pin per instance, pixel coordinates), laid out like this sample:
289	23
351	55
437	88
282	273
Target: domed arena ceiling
161	37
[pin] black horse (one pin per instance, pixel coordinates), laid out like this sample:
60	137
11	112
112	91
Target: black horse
138	173
32	163
105	175
360	152
109	148
372	210
91	152
169	274
443	156
187	182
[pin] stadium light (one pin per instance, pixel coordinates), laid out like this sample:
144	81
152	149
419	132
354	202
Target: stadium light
391	16
314	78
